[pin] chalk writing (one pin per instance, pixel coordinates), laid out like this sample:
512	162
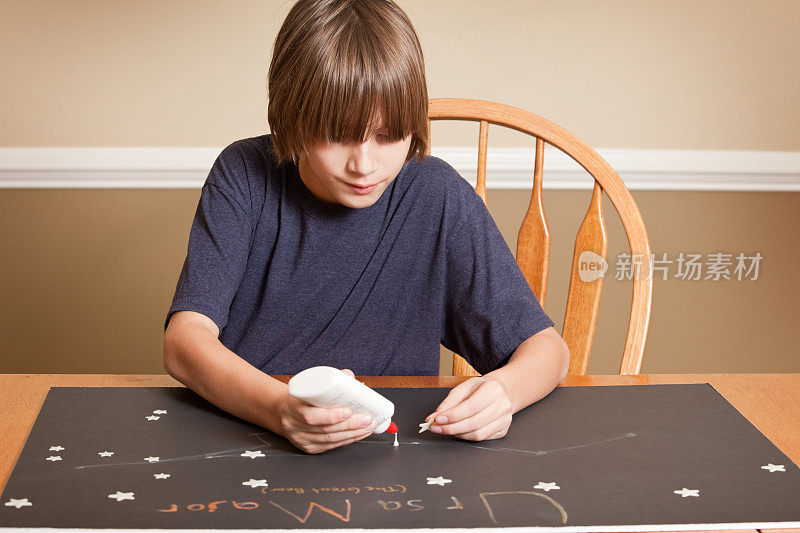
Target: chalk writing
390	506
394	488
210	507
483	496
354	490
456	502
311	507
413	505
349	489
296	490
245	505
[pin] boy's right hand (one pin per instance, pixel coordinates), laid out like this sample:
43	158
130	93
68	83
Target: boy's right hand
318	429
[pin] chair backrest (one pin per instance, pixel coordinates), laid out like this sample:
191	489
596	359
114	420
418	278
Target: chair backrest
533	245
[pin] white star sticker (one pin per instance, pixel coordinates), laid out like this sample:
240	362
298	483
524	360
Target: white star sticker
151	459
105	454
253	455
153	417
425	426
547	487
256	483
54	458
774	468
684	492
119	496
162	475
438	481
56	448
159	412
13	502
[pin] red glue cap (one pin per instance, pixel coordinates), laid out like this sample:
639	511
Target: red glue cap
392	428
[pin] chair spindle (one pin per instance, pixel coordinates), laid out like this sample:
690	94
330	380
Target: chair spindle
583	299
533	239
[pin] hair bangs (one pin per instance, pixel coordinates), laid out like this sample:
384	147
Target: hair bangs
341	71
360	93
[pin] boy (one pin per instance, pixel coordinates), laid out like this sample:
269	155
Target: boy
335	241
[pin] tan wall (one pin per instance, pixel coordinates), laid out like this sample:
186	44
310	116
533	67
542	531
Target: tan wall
87	275
717	74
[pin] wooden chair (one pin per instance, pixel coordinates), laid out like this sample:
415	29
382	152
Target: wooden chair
533	246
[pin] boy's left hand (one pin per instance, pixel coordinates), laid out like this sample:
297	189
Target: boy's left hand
478	409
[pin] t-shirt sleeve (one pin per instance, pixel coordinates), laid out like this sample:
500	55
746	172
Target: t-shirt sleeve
219	242
489	307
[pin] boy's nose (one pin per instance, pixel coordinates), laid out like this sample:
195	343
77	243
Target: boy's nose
362	161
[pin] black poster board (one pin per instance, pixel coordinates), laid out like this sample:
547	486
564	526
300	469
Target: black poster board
589	458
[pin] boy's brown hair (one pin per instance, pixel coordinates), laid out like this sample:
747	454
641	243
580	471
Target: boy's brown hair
336	65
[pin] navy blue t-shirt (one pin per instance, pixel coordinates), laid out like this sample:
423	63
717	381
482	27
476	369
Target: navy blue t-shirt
294	282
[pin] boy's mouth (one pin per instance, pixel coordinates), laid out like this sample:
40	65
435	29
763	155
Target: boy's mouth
362	190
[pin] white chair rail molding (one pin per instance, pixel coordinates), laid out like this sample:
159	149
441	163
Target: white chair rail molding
507	168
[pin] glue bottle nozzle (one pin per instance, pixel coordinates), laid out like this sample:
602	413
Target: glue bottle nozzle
392	428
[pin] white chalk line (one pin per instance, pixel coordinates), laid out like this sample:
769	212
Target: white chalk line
533	452
235	452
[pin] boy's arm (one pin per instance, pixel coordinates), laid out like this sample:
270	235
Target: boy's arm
194	356
481	408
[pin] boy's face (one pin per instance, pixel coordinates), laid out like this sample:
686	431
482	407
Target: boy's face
352	174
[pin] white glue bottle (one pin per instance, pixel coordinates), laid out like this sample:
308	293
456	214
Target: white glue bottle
325	386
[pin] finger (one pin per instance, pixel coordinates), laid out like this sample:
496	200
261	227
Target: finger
482	418
499	425
348	372
487	393
316	447
456	396
338	437
357	421
499	435
321	416
347	441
